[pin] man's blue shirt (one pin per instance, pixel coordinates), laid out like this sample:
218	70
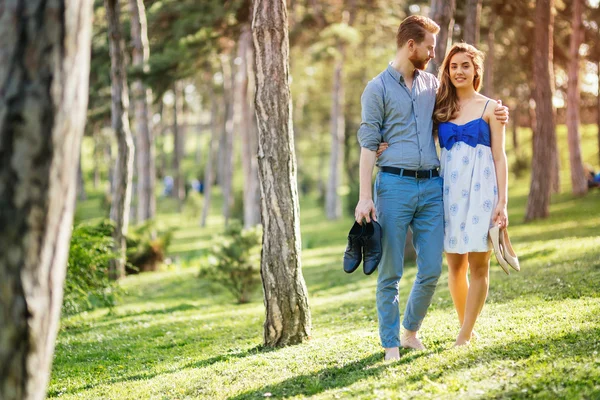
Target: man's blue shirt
402	118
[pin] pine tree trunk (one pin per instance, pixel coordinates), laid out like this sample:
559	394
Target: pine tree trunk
97	155
544	136
473	10
142	99
121	195
246	126
226	168
287	313
578	178
442	12
515	136
333	208
208	170
44	71
178	147
81	195
490	58
598	110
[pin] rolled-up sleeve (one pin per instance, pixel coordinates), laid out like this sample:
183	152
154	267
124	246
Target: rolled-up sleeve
369	133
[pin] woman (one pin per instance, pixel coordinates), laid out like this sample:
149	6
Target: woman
474	168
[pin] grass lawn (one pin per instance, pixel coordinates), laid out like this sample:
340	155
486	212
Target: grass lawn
175	336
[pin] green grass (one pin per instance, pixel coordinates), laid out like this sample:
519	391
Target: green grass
175	336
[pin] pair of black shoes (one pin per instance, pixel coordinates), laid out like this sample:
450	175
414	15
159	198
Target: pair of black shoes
364	244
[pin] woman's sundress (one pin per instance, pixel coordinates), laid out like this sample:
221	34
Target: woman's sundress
470	186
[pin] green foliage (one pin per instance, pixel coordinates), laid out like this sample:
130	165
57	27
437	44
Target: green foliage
146	248
87	284
234	261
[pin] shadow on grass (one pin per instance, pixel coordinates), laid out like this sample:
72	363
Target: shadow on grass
260	349
328	378
572	345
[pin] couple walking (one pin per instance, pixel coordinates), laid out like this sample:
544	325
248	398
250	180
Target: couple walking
450	210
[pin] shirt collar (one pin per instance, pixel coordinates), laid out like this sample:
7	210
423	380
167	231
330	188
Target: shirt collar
397	75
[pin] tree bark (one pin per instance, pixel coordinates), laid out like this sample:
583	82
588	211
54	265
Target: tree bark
208	170
81	195
578	178
598	109
488	72
44	72
142	99
121	197
515	136
442	12
287	313
471	28
178	147
247	127
333	208
544	136
226	168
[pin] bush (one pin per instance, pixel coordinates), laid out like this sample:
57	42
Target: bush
87	284
234	261
146	248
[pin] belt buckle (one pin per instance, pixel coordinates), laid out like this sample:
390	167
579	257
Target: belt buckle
423	174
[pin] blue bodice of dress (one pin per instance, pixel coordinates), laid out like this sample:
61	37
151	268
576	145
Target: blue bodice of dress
472	133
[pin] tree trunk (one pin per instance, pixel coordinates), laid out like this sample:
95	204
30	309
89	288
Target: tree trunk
226	167
97	155
142	98
44	71
471	28
578	178
488	71
178	147
81	195
442	12
246	126
287	313
333	208
544	136
515	136
208	170
598	109
121	197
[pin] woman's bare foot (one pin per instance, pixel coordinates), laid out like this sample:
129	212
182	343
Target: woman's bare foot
460	341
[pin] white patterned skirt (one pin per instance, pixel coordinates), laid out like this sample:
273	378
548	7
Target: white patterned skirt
470	197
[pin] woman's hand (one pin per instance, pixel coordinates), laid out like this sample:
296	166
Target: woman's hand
381	148
500	216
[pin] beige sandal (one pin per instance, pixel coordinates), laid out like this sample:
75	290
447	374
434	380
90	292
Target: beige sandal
495	238
507	250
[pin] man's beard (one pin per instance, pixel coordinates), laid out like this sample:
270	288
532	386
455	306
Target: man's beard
419	63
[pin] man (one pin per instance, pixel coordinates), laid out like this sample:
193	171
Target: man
397	108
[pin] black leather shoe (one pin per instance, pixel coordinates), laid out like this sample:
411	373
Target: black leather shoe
371	239
353	253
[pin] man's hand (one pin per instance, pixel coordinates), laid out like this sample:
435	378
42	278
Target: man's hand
381	148
501	112
365	209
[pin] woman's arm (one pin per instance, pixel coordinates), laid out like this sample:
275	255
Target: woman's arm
497	129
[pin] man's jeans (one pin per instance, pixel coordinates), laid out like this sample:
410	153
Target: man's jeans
402	201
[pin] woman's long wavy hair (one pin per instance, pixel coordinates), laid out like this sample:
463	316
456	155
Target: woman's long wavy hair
446	104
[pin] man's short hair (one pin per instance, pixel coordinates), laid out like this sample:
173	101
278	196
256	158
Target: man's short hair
415	27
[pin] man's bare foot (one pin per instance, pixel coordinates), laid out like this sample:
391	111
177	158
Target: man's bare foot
409	340
391	354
